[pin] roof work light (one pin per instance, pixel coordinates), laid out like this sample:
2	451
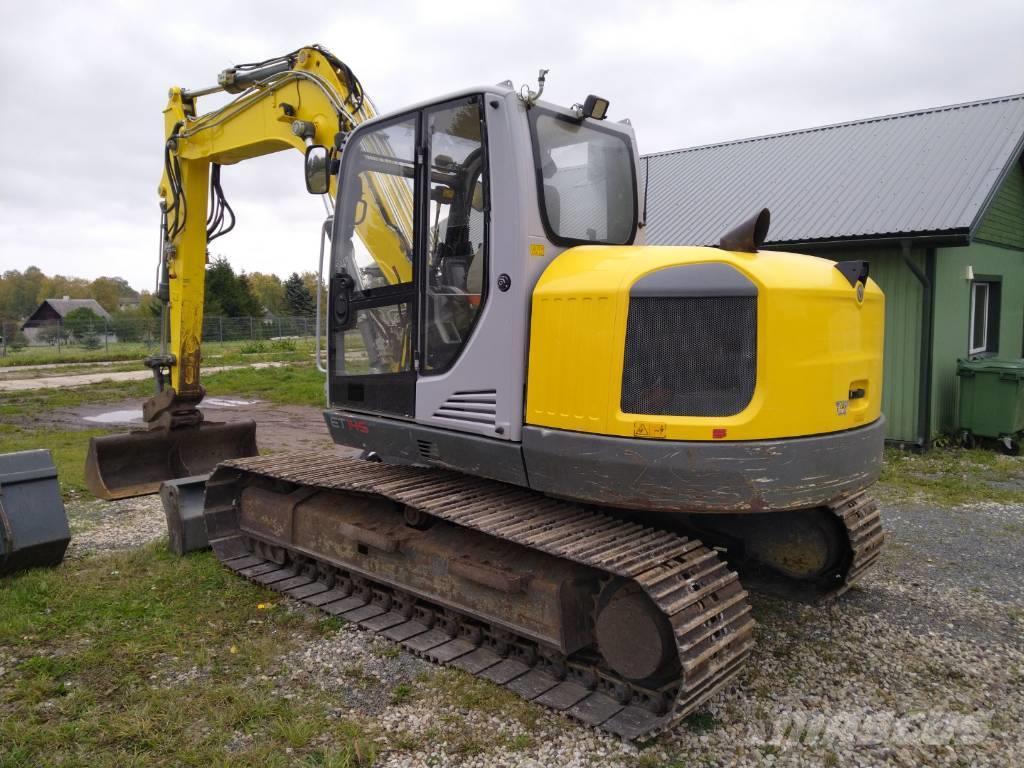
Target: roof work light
595	107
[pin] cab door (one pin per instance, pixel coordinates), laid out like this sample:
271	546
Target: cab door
373	299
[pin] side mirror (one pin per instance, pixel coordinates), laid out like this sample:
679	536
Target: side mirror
318	169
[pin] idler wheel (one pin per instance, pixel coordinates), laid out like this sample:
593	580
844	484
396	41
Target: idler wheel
634	637
417	518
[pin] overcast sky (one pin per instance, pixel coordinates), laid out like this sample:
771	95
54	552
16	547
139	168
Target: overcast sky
85	83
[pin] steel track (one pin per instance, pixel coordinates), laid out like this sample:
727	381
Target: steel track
697	593
863	523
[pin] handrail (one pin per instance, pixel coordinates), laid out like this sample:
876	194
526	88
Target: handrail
327	225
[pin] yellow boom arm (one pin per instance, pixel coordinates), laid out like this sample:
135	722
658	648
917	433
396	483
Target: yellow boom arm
306	97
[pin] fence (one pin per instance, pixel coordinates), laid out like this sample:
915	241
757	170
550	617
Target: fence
145	332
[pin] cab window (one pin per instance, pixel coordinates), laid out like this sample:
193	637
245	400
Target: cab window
585	180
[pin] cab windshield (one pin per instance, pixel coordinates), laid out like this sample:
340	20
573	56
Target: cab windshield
585	180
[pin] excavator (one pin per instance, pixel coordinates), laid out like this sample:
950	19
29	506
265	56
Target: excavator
570	443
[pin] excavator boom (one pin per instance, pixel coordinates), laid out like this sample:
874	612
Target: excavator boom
305	97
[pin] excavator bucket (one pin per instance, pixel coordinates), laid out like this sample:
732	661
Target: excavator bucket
33	524
136	463
183	501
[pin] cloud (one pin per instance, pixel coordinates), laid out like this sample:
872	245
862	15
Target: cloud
80	156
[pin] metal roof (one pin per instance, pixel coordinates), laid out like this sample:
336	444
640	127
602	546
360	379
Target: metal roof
930	172
63	306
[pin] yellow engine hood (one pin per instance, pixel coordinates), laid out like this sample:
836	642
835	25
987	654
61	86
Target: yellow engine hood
819	338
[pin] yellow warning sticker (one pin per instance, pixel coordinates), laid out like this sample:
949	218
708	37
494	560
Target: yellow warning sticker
536	249
653	429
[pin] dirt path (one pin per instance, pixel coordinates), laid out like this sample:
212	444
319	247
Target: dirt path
78	380
278	427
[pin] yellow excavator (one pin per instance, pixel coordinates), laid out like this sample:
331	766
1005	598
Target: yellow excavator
570	441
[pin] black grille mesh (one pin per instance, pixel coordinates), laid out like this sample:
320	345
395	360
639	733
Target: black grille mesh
690	356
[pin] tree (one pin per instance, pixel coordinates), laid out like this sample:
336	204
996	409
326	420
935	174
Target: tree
16	340
18	291
312	281
59	285
85	326
109	290
297	297
149	305
130	326
53	335
228	294
269	291
249	305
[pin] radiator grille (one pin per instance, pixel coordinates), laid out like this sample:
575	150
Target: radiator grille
690	356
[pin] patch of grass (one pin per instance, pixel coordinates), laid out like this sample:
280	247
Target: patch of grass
144	658
952	476
401	693
521	742
299	384
465	692
16	372
388	651
67	448
74	354
40	401
292	385
214	352
468	692
357	753
654	760
260	347
295	733
701	721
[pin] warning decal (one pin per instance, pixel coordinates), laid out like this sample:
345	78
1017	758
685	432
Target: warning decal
653	429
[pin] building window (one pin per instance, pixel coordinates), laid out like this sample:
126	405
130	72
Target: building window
984	334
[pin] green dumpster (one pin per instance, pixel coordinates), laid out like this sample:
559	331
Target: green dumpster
991	397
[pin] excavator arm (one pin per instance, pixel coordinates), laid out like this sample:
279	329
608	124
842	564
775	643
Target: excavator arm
314	100
290	102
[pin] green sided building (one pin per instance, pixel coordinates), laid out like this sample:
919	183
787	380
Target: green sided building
933	199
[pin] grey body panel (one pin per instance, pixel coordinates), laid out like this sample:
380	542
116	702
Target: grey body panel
703	476
33	524
711	279
402	442
629	473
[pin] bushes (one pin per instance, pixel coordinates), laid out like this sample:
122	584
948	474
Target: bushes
277	345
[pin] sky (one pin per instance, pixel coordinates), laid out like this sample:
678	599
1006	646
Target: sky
85	85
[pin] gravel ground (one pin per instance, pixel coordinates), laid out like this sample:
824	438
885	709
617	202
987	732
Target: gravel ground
104	526
923	663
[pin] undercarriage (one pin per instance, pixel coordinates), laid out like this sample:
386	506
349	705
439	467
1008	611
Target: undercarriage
618	624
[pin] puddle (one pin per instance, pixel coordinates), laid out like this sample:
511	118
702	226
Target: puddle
135	416
115	417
